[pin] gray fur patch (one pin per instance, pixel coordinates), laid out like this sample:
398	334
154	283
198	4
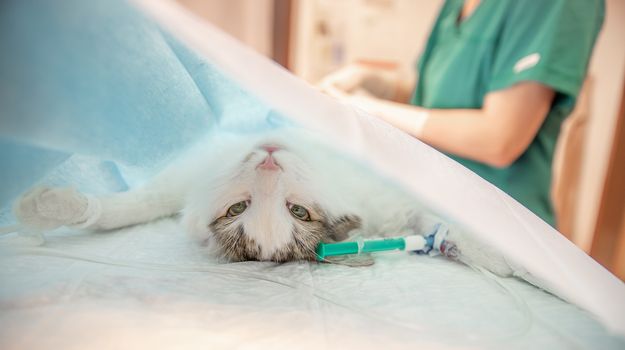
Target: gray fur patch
235	245
339	228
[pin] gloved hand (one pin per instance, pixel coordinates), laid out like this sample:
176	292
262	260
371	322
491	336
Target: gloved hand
360	79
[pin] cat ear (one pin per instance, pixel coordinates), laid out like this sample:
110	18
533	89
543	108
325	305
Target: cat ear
340	227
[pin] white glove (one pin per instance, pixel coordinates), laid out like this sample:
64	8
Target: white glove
359	79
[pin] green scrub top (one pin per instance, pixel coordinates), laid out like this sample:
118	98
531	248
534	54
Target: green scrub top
501	43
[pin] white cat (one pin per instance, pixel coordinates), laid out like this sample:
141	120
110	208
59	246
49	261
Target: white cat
265	197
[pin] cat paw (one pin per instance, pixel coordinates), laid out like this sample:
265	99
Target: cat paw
50	208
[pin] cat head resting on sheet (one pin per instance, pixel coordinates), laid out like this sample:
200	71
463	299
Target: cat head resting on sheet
267	204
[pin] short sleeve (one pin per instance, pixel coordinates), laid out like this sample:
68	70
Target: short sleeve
549	41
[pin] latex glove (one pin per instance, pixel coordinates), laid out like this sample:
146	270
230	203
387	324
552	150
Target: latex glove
358	79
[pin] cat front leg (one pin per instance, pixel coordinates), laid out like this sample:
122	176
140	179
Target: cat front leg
46	208
472	252
137	206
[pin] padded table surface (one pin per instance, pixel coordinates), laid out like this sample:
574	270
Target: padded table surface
150	286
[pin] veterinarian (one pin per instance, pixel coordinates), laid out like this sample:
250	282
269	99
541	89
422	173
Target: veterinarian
496	80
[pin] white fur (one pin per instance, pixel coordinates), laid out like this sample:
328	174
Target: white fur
207	180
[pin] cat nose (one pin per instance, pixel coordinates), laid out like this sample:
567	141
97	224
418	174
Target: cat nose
270	148
269	163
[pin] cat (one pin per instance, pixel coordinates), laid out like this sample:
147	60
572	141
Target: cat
269	197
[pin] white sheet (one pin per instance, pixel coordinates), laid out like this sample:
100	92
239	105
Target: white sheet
151	287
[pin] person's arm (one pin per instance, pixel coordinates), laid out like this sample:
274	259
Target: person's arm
496	135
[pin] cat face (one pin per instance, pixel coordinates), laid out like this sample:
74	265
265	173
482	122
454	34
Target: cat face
268	205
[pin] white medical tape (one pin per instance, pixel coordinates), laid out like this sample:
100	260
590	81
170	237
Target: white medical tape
414	243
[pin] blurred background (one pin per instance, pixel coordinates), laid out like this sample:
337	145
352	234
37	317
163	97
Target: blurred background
312	38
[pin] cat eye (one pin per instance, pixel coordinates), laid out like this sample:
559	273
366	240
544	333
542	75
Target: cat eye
299	212
237	208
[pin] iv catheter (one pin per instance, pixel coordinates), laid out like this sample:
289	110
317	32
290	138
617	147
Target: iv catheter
434	241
